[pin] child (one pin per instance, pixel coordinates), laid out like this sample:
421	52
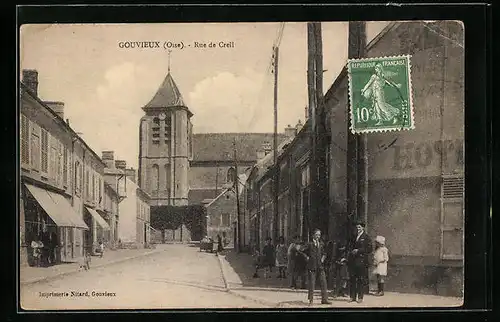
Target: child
101	248
281	258
380	259
300	266
341	271
257	262
86	260
269	261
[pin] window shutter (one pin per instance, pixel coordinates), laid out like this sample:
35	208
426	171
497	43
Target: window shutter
45	151
25	140
452	217
453	187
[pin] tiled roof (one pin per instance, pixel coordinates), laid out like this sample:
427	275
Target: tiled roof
219	146
167	95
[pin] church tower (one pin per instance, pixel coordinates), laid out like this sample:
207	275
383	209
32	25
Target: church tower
165	146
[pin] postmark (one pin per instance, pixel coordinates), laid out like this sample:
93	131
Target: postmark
380	94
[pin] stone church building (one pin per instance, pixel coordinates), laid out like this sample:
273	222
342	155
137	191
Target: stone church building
179	168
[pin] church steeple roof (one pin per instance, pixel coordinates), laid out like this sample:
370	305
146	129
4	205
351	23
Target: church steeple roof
167	95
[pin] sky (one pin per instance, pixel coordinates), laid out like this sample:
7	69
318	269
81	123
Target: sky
104	86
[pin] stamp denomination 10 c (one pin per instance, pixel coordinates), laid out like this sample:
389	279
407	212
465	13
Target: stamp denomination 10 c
380	94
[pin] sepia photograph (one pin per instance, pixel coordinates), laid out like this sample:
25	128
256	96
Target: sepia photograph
241	165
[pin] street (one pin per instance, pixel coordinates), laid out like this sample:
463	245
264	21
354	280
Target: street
179	277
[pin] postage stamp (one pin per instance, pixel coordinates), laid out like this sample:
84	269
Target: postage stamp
380	94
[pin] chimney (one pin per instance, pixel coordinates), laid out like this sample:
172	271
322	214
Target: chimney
130	173
121	164
299	126
290	131
306	112
57	107
108	158
30	79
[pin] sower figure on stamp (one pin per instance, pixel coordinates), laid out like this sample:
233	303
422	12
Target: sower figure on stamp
359	250
374	90
315	267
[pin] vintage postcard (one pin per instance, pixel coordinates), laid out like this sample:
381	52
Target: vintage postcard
241	165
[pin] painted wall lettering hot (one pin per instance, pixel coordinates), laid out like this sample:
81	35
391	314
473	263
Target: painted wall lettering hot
421	155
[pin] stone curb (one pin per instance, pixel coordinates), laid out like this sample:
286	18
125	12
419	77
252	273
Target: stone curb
235	293
49	278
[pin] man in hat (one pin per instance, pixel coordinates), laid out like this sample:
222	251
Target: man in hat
359	250
315	267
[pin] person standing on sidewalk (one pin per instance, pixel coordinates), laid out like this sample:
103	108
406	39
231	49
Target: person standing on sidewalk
315	267
380	259
269	258
281	257
360	248
291	254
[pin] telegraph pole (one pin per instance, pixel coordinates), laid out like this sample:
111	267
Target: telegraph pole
312	95
275	143
356	152
236	186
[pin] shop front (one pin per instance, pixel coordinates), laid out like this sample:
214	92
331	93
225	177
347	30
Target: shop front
53	229
100	229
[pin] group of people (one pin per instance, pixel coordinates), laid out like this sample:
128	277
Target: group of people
347	264
44	249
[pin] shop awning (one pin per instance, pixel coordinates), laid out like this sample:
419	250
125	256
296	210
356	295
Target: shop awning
98	218
57	208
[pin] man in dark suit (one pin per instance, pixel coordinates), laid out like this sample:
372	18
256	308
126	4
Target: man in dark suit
359	252
315	267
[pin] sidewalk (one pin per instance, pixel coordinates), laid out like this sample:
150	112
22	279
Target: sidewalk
237	270
30	275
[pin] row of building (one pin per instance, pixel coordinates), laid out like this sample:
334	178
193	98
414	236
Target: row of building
412	187
70	197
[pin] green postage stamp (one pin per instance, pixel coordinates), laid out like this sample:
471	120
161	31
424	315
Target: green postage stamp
380	94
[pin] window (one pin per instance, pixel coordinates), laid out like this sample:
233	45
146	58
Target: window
168	128
59	162
65	166
452	217
156	135
156	121
156	178
100	191
54	154
35	147
45	151
231	175
78	182
87	192
93	187
306	177
225	220
25	140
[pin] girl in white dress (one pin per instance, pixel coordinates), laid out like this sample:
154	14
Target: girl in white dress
380	259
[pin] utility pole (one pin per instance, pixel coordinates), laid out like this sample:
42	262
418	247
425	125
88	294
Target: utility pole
236	187
216	179
356	151
275	144
321	195
312	96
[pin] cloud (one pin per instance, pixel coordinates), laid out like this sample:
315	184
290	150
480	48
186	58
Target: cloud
115	111
228	102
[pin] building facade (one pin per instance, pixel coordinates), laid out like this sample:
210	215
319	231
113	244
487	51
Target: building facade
61	179
411	190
